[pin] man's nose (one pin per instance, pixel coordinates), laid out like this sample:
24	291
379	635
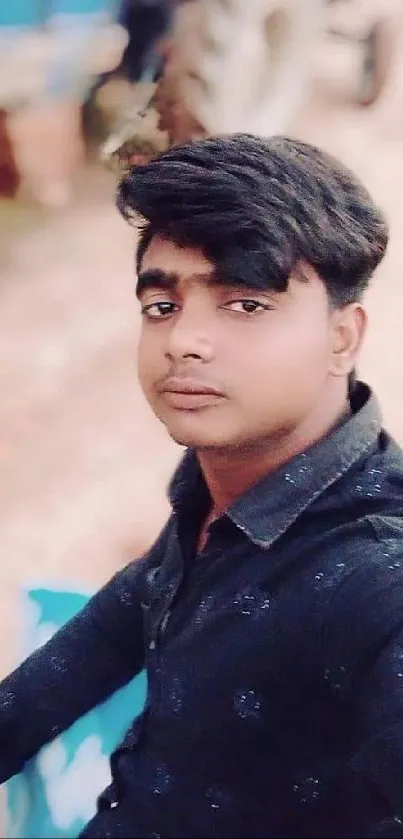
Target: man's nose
190	337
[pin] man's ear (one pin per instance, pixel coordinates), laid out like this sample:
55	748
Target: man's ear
349	327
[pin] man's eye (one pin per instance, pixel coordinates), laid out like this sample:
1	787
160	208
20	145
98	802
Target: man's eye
246	307
157	311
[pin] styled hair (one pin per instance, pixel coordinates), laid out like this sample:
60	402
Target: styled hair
258	208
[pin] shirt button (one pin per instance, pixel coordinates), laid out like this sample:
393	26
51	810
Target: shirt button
114	804
152	645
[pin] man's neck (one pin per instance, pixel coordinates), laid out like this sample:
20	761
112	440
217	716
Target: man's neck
230	473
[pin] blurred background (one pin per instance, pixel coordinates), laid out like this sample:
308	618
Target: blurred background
83	463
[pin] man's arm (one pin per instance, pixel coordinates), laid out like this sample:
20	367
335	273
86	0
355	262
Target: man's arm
377	766
363	640
95	654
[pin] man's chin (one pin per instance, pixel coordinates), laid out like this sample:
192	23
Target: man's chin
197	438
198	442
210	427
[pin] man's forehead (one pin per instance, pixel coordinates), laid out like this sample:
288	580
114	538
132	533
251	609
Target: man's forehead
166	256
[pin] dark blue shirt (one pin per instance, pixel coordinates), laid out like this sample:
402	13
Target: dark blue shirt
274	657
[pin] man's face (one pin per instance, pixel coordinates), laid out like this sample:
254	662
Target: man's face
226	366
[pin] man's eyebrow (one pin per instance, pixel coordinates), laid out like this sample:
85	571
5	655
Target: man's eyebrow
156	278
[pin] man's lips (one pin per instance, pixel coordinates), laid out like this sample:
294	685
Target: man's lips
189	394
176	384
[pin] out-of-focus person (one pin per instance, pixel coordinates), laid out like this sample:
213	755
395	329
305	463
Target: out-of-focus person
233	66
217	68
237	66
48	59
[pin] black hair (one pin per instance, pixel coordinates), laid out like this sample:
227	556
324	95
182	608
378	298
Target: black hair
257	208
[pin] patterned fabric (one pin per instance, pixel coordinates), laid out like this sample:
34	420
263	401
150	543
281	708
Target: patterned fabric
56	794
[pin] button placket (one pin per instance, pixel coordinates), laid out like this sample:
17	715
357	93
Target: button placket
163	599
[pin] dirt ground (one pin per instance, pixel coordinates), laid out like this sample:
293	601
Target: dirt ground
83	464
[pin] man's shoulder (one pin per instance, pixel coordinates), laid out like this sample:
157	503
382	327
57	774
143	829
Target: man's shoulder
363	607
366	503
356	533
380	466
364	545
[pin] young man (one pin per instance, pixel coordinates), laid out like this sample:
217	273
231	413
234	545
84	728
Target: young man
269	613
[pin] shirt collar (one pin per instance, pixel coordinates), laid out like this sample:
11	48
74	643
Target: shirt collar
269	508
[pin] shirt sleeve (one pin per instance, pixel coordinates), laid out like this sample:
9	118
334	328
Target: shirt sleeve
377	765
90	658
